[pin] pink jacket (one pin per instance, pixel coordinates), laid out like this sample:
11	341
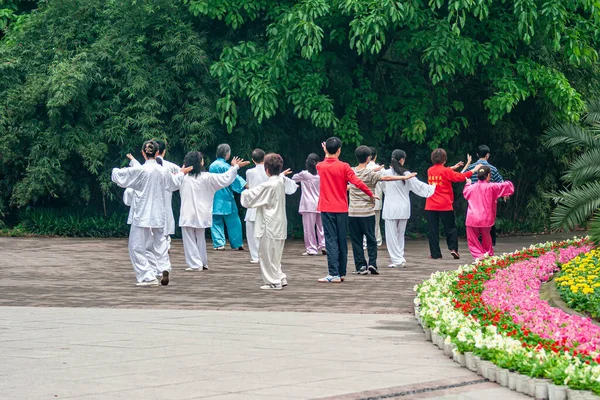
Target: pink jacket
483	201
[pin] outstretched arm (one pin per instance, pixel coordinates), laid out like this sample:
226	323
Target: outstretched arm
504	189
132	177
386	178
256	197
353	179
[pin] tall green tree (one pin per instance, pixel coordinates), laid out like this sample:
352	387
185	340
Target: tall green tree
83	82
400	69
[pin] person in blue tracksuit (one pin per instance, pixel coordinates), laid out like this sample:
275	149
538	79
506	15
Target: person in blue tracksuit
225	211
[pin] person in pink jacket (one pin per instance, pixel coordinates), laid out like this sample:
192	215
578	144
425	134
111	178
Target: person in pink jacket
481	214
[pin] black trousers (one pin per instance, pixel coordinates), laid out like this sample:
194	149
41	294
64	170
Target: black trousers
359	226
433	221
493	233
335	227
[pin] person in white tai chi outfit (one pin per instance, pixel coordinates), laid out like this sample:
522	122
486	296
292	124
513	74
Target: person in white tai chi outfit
271	223
396	208
197	189
147	240
254	177
172	168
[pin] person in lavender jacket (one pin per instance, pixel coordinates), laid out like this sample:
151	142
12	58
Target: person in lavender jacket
314	238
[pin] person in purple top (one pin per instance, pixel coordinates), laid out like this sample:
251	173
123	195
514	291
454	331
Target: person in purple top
314	238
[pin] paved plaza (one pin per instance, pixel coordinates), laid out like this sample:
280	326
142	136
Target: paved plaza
73	325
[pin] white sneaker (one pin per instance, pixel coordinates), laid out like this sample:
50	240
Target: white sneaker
271	287
153	282
159	276
284	282
330	279
194	269
254	262
306	253
219	248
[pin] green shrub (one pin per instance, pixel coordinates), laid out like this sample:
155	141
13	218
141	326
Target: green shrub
53	222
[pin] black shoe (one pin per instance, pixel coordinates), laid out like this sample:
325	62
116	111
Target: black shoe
241	248
324	252
373	270
455	254
165	278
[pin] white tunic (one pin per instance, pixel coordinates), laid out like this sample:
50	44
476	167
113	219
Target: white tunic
269	200
254	177
173	169
397	199
150	183
197	196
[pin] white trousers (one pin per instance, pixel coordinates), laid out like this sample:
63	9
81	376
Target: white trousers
149	252
252	241
394	239
168	242
194	247
377	230
270	252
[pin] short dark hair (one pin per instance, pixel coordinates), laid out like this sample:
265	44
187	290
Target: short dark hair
439	156
273	164
362	154
483	173
258	155
311	163
162	146
333	144
373	152
222	150
483	151
194	159
150	148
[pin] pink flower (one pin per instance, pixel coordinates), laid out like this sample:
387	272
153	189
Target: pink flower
516	290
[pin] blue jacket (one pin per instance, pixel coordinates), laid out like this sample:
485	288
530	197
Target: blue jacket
224	203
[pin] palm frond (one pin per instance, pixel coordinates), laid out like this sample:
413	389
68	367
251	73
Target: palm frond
595	228
592	116
575	206
586	167
568	134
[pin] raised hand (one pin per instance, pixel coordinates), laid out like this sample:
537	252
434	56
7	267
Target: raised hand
411	175
130	157
469	159
379	168
458	165
185	169
287	172
324	147
239	162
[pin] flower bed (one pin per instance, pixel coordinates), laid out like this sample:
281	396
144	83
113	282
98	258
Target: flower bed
492	309
578	283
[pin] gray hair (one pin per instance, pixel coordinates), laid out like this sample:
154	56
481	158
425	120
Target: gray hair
223	150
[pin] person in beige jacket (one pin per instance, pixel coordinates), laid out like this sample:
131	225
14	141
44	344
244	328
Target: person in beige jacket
270	226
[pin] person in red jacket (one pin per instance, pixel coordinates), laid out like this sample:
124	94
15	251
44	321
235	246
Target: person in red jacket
441	204
333	204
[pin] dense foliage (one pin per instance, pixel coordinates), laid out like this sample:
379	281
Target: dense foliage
85	82
581	199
